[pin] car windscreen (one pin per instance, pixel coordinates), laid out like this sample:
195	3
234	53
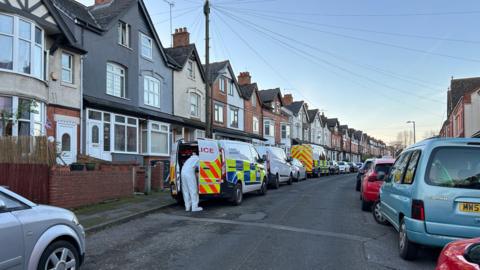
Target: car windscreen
385	168
456	167
341	163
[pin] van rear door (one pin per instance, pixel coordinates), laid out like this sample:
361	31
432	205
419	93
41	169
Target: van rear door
304	153
210	167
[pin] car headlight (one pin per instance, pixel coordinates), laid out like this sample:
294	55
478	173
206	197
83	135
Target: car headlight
75	220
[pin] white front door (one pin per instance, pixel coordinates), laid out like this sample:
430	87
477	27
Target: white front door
67	141
95	139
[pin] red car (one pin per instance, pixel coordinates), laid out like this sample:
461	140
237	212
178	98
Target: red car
372	181
460	255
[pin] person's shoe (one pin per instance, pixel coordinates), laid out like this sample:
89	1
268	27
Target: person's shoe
187	209
197	209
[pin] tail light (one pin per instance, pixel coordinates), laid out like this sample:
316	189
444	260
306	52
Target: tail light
418	210
224	164
372	177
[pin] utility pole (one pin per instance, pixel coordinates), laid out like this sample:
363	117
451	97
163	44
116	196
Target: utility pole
171	4
208	99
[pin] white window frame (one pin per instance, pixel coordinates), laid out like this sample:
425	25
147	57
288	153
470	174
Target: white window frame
231	87
271	129
198	105
150	84
218	117
120	28
149	46
191	69
117	72
114	124
287	131
41	112
15	47
255	124
68	69
199	134
150	130
254	100
234	113
222	84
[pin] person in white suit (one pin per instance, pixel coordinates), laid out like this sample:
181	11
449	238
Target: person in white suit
189	184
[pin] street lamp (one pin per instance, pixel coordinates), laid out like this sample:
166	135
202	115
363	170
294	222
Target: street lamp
414	134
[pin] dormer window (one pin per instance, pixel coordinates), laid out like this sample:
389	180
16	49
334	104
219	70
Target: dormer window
124	34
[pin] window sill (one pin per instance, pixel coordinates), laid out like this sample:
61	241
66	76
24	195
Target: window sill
125	46
124	153
68	85
147	58
151	106
24	74
124	98
155	155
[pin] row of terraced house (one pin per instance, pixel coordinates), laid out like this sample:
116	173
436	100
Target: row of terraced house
103	85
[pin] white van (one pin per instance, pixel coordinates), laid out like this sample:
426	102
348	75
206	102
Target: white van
279	169
227	169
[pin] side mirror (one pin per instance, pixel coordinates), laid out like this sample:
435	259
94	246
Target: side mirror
3	205
260	160
381	176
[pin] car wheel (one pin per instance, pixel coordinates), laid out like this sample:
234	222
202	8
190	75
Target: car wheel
377	214
59	255
276	185
408	250
290	180
237	194
298	177
263	189
366	206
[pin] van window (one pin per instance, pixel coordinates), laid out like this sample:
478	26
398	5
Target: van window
399	167
279	153
255	154
239	152
456	167
411	169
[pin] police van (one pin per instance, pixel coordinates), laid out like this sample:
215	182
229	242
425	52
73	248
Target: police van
313	157
227	169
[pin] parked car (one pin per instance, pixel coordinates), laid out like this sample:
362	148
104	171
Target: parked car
460	255
371	183
353	167
359	165
299	171
333	167
343	167
432	195
38	236
365	167
277	164
228	169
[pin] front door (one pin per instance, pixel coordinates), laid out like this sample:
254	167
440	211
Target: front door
95	139
67	141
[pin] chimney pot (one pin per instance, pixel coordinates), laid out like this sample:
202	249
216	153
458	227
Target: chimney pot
181	37
244	78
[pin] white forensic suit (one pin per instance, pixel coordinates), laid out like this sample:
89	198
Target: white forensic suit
189	184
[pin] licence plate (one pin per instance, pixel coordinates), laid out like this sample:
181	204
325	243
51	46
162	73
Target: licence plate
469	207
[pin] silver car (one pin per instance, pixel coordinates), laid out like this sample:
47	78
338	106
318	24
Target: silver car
299	171
38	237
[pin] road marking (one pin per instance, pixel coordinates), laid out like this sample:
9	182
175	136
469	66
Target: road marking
344	236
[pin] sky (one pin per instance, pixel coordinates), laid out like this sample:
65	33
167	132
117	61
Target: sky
372	64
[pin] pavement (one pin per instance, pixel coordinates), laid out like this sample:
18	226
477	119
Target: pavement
101	216
314	224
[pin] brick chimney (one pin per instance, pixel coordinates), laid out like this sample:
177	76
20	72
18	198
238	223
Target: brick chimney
287	99
244	78
102	2
181	37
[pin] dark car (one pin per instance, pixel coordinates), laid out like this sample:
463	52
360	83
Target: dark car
353	167
362	171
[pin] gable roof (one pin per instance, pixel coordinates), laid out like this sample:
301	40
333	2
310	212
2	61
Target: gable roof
248	89
312	114
179	56
76	10
295	107
106	14
214	70
332	122
459	87
269	95
343	129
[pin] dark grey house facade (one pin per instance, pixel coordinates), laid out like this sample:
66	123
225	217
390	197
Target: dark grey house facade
127	81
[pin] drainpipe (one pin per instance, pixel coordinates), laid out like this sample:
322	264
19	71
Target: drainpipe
81	104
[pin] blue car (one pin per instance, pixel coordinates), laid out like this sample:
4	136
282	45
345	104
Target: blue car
432	195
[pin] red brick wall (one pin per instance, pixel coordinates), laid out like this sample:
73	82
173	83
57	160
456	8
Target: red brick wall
250	111
72	189
221	97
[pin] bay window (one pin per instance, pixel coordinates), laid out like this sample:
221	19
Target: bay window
22	46
155	138
21	117
151	90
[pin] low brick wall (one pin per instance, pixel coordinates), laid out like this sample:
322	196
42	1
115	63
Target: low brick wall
72	189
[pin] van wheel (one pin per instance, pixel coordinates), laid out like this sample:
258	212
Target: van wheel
237	194
59	255
408	250
377	214
366	206
298	178
290	180
276	184
263	189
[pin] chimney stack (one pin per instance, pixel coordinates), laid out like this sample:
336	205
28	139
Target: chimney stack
181	37
244	78
102	2
287	99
